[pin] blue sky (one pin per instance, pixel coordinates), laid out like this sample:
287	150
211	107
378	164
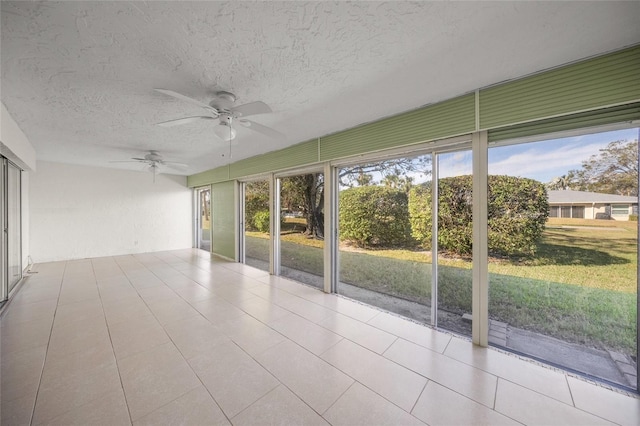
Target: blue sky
545	160
541	161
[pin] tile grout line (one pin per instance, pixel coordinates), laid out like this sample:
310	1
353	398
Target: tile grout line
35	402
413	407
152	348
357	381
111	341
187	361
495	394
375	353
555	400
499	412
573	401
261	365
285	385
516	383
181	354
429	379
338	399
446	347
297	344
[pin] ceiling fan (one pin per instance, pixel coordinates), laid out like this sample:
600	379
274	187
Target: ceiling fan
154	160
221	108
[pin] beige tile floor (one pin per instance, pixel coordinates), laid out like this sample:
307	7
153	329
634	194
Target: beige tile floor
179	338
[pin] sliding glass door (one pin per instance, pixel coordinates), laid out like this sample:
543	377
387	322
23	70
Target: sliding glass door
301	223
385	248
11	226
14	224
405	236
203	218
454	241
4	255
255	226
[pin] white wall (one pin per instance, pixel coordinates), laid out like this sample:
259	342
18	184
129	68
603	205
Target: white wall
81	212
14	143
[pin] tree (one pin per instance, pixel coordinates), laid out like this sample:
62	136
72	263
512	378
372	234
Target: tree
364	179
560	183
398	180
613	171
393	170
306	192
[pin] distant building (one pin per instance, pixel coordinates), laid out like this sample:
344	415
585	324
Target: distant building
591	205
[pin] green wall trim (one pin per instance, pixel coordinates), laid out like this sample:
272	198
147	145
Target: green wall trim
449	118
218	174
223	215
601	117
594	83
573	95
293	156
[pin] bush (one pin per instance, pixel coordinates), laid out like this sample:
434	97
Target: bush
261	221
517	211
420	214
455	217
256	200
374	216
633	218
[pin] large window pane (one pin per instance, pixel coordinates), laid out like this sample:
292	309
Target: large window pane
384	260
4	290
563	252
256	224
204	219
14	226
455	203
302	228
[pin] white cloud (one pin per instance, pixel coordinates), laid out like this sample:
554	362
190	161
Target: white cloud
544	164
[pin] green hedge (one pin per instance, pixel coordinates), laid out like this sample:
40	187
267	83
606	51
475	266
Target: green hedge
374	216
517	211
256	202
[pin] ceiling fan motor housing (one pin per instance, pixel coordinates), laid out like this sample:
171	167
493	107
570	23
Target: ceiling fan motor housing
225	119
224	101
153	156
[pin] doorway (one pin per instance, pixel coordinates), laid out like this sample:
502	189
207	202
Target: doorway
203	219
255	229
11	226
300	226
395	251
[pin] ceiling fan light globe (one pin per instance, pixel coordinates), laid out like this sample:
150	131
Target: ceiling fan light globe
225	132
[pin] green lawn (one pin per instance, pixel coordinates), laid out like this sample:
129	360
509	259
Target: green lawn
580	287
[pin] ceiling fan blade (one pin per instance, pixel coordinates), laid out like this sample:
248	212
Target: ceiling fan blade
267	131
176	166
184	120
186	99
175	163
136	160
252	108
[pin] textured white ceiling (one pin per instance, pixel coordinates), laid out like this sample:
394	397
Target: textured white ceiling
78	77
